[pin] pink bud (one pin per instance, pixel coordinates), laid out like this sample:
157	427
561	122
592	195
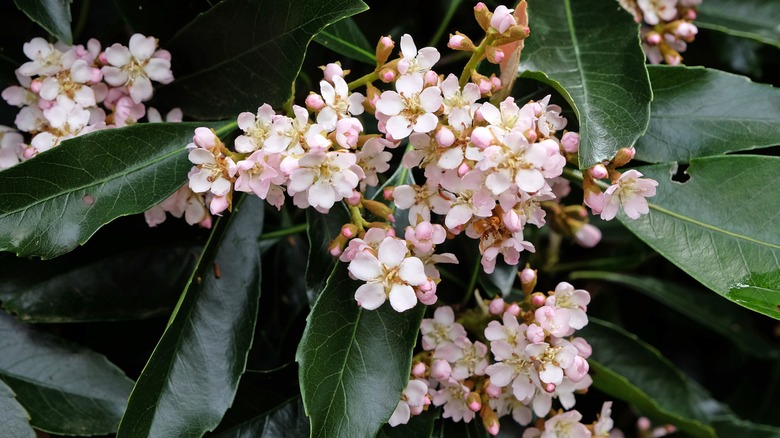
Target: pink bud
335	251
386	42
387	76
570	142
463	169
441	369
418	369
485	86
35	86
496	82
535	334
577	371
391	218
549	387
474	402
387	193
431	78
531	135
95	75
354	199
582	346
643	424
218	204
391	232
481	137
331	70
514	309
691	14
653	38
538	299
347	232
314	102
206	222
498	56
598	171
595	200
426	293
480	7
527	275
493	429
29	152
493	391
630	152
497	306
445	137
103	58
204	138
456	42
587	236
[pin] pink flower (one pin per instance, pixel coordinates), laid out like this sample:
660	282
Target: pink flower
136	66
440	329
321	179
414	61
214	170
629	191
502	19
415	395
425	236
411	108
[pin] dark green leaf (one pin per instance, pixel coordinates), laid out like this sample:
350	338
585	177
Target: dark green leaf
354	363
589	51
162	19
259	393
131	285
242	53
419	426
14	420
755	19
192	376
693	114
708	310
53	203
626	368
323	228
733	427
67	389
345	38
500	282
288	421
720	226
52	15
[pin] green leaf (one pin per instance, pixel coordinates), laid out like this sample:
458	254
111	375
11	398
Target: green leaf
500	282
161	19
693	114
67	389
60	290
192	376
345	38
708	310
626	368
14	420
720	226
323	228
51	204
354	363
589	51
754	19
288	421
419	426
242	53
733	427
52	15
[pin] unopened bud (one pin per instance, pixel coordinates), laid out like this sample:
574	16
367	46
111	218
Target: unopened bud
378	209
483	15
463	169
570	142
531	135
431	78
387	75
587	236
578	369
538	299
549	387
495	55
490	420
598	171
473	401
643	424
418	369
332	69
314	102
653	38
354	199
514	309
482	137
445	137
460	42
528	280
496	306
387	193
441	369
583	348
383	50
623	156
691	14
349	231
493	391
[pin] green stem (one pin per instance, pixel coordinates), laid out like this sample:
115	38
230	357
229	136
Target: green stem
472	283
285	232
445	23
476	57
226	129
367	79
356	218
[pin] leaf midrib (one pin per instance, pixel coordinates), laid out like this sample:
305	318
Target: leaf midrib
53	388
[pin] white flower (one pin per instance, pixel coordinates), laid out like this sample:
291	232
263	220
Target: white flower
339	103
459	105
629	191
415	395
214	169
323	178
440	329
389	274
414	61
411	108
136	66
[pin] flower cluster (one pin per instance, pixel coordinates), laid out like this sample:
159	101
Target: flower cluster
667	27
628	190
65	91
490	168
535	359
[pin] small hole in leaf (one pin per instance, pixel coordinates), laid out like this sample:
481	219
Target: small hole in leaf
680	174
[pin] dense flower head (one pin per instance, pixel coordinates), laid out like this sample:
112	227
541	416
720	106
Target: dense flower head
667	27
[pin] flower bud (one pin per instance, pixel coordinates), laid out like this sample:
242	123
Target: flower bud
354	199
444	137
387	75
528	280
493	391
538	299
549	387
582	346
483	15
349	231
587	236
387	193
490	420
219	204
598	171
653	38
418	369
495	55
474	402
378	209
497	306
514	309
426	293
383	50
332	69
502	19
314	102
623	156
577	371
441	369
570	142
481	137
460	42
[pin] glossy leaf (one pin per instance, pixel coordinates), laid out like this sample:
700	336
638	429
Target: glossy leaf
708	310
66	389
323	228
60	290
626	368
720	226
52	15
589	51
242	53
755	19
732	427
53	203
288	421
161	19
14	420
500	282
693	114
192	375
354	363
345	38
